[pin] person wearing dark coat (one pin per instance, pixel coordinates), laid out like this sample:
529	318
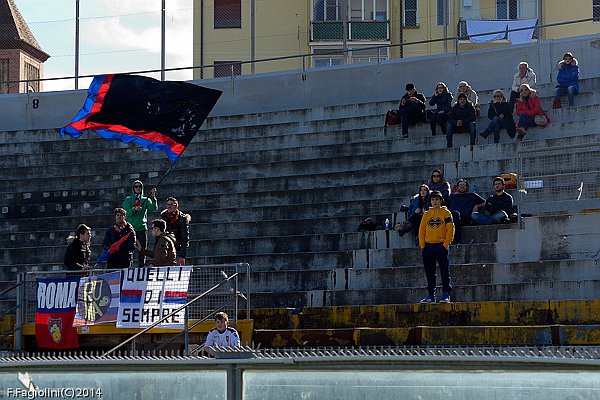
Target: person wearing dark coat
164	253
462	119
442	99
120	255
500	115
178	223
78	251
439	183
412	108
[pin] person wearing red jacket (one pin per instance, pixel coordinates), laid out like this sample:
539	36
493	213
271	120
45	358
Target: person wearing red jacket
528	107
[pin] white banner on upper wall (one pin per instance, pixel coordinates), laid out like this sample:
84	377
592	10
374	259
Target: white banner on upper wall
149	294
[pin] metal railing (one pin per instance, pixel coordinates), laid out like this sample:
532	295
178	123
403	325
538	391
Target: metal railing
573	184
219	285
307	57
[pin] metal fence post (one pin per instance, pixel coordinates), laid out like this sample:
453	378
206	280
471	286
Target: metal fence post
20	311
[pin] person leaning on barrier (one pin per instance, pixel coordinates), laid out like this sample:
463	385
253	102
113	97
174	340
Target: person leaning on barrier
221	336
78	251
164	253
178	225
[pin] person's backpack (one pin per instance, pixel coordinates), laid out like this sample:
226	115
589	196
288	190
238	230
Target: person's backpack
391	118
368	224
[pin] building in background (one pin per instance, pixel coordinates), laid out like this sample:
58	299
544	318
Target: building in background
227	32
21	57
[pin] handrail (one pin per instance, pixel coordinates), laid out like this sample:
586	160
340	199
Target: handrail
332	52
201	295
16	285
195	324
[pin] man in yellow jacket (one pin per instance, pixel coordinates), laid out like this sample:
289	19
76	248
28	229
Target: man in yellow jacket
435	235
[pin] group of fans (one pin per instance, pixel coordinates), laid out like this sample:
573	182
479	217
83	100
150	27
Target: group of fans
459	114
129	232
435	216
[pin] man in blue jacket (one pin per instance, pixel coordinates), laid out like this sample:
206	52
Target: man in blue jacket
568	80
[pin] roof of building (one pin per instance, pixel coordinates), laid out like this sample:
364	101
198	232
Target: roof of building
15	34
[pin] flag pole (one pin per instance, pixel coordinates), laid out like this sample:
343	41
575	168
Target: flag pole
104	254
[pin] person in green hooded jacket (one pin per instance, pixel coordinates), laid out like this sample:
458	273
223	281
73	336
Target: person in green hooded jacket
137	207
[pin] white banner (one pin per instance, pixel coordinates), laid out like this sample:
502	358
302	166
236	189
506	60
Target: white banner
148	294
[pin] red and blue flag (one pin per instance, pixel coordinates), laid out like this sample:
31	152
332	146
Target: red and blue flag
154	114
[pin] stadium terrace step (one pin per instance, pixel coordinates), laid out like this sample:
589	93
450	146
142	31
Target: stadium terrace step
413	276
544	335
544	290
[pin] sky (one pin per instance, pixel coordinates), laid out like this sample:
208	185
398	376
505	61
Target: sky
115	36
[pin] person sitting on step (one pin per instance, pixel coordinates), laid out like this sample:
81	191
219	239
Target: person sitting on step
528	107
462	205
523	75
412	108
568	80
497	207
464	87
417	206
462	119
442	98
500	115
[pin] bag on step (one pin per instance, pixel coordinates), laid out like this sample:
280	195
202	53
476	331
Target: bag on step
368	224
541	120
510	180
391	118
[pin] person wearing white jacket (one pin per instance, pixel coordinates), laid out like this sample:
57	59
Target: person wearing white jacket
524	75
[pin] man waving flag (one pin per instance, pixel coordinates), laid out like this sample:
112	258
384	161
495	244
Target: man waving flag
156	115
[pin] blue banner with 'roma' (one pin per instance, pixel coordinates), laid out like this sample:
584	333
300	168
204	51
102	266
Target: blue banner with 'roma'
56	304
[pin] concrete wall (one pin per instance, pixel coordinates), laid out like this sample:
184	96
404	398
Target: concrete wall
334	86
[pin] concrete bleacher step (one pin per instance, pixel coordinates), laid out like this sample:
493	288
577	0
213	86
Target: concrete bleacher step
543	335
548	322
561	290
343	279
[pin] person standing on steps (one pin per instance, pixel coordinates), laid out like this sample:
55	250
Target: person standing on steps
137	207
435	235
178	223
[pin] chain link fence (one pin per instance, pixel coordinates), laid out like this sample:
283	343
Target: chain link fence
229	37
559	179
229	297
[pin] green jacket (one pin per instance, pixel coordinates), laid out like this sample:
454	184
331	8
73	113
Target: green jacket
138	219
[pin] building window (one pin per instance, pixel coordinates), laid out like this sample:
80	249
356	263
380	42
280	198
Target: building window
223	68
507	9
32	74
410	13
596	10
368	10
228	14
326	10
4	75
441	13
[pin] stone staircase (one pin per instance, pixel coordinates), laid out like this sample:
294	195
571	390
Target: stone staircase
286	190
